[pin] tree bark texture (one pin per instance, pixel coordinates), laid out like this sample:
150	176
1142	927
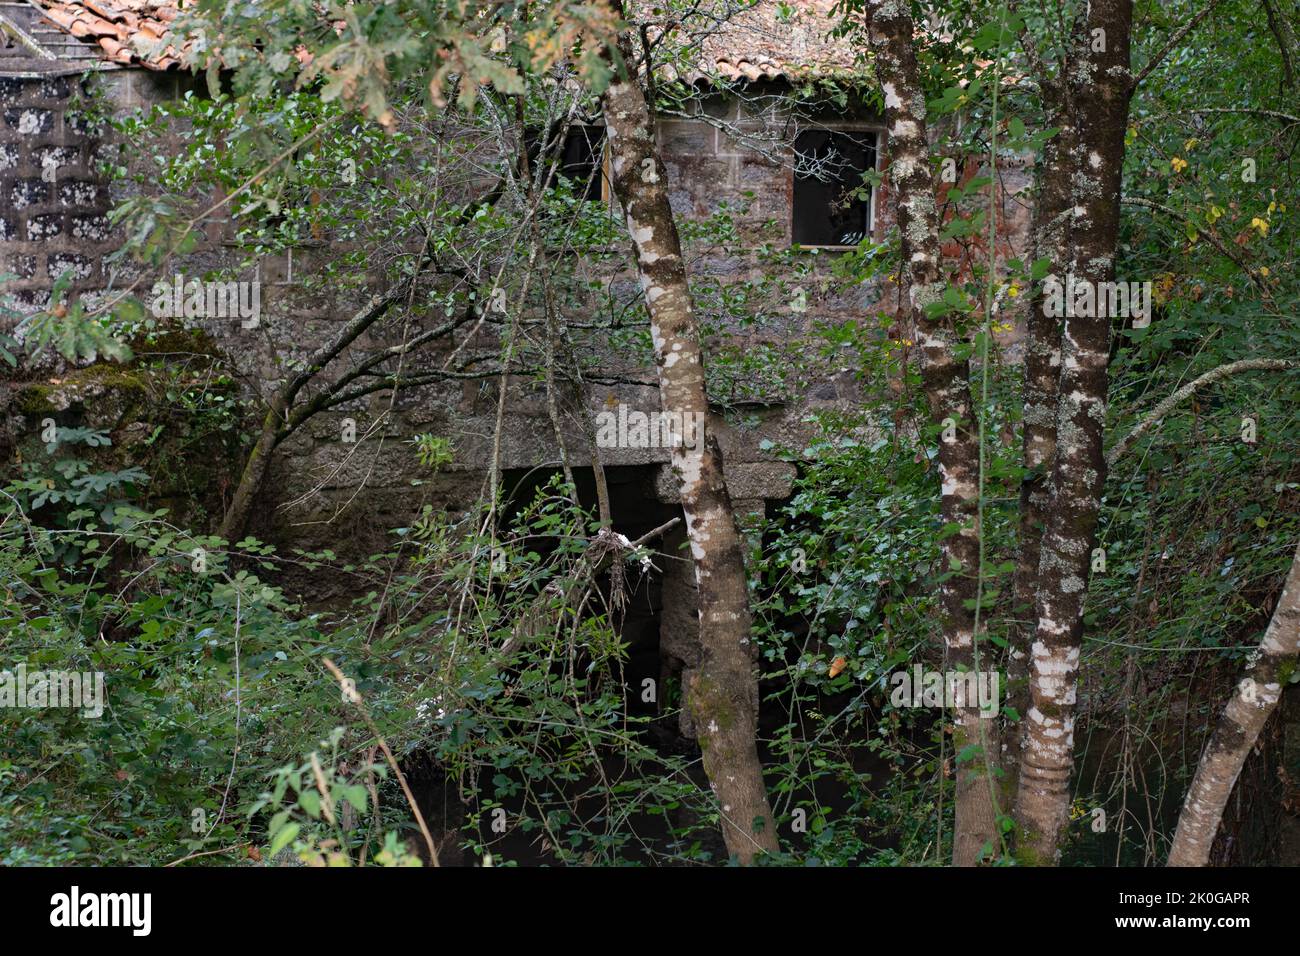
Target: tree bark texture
1100	85
1253	701
947	387
722	690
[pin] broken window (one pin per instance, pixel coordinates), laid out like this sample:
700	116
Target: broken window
832	201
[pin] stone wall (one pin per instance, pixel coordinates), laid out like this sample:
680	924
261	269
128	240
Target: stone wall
324	488
53	218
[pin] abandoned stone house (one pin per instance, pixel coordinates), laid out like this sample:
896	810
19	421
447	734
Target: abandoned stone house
54	222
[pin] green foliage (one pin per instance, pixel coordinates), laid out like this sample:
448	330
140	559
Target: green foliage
72	331
213	680
488	645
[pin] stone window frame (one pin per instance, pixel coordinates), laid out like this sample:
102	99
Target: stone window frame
844	126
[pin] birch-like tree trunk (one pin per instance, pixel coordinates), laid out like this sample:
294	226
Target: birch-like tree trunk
1253	702
947	388
1100	84
1053	201
722	692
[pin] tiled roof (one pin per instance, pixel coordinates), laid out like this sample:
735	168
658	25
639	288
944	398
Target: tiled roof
129	32
756	42
745	41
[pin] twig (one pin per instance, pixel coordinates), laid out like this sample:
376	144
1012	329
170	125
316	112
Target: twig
1213	239
195	856
1174	40
350	694
656	532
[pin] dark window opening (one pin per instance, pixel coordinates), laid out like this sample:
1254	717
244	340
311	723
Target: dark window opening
832	204
580	159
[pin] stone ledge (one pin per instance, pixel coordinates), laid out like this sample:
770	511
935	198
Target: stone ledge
746	481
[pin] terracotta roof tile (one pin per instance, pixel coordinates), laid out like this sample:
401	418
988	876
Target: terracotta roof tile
126	31
757	41
745	41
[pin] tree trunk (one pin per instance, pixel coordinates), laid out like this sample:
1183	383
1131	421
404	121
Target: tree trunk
253	476
1051	240
1252	703
947	387
277	422
722	693
1100	85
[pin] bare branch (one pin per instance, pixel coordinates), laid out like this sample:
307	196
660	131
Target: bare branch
1153	417
1253	701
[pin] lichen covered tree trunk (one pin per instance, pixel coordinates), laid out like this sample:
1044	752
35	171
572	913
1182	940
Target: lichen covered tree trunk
1100	84
722	692
1051	235
947	388
1253	702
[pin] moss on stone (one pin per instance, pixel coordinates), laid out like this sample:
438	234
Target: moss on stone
194	341
52	396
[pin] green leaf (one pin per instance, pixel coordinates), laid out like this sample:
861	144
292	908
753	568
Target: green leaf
283	838
356	795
